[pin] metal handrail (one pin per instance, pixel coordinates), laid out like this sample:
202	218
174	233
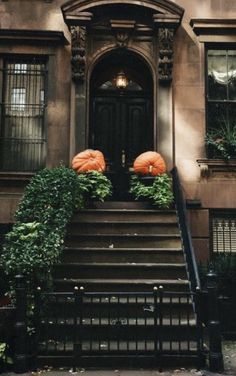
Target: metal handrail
185	230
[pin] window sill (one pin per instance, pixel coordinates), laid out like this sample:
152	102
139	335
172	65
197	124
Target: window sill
13	178
217	168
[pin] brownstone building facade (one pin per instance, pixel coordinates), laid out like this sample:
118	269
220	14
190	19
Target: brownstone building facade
59	68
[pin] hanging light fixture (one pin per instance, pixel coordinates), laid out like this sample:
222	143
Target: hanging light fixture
121	80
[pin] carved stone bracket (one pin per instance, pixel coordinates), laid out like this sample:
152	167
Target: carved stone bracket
166	37
122	38
78	52
122	30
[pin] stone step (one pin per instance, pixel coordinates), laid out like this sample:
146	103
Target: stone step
140	357
119	285
106	332
120	270
136	205
177	308
125	240
78	254
95	215
122	227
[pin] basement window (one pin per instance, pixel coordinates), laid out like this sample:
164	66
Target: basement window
223	226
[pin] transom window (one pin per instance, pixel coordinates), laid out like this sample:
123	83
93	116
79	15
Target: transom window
22	137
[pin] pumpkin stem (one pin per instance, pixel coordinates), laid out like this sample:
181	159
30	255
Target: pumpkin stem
150	168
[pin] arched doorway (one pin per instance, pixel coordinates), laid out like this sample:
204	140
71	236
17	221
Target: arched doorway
121	118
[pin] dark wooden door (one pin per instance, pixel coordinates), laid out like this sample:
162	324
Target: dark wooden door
121	129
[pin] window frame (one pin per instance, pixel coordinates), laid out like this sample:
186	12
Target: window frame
213	46
22	60
220	213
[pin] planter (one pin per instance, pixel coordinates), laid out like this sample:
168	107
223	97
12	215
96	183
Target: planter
146	180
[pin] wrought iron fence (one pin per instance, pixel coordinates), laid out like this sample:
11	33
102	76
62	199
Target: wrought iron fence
83	326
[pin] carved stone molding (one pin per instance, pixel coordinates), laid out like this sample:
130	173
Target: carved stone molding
122	30
78	52
217	168
122	38
166	37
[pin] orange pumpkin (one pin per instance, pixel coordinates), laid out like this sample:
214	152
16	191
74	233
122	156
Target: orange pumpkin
88	160
149	163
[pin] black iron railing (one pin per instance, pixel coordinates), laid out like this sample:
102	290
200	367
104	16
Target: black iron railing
83	325
185	231
94	329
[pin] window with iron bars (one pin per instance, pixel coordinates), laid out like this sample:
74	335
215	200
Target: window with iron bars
23	103
224	232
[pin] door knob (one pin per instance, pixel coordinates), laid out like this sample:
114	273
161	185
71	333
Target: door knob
123	158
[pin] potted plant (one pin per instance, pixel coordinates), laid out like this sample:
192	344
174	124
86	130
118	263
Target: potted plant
90	165
159	192
221	142
151	180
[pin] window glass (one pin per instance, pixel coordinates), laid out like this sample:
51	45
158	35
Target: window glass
232	74
18	99
221	103
217	74
224	233
22	137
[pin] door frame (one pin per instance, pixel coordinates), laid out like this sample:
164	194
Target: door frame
140	54
98	58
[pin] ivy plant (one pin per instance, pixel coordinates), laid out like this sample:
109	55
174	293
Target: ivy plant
159	192
35	242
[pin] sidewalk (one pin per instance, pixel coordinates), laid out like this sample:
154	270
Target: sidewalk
229	349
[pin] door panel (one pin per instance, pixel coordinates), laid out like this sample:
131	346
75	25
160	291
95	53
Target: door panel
138	128
121	128
105	128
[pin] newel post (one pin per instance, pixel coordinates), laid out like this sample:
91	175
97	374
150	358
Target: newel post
20	359
216	363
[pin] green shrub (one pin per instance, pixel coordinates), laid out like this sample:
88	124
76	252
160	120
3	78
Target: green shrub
35	242
160	192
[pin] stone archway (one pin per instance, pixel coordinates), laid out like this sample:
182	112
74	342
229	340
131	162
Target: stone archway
148	27
121	119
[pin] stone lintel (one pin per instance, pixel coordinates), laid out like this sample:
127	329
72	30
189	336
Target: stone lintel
78	19
169	21
213	26
32	36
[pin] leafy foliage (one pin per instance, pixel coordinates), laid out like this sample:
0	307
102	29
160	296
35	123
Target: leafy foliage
160	192
34	244
222	141
95	185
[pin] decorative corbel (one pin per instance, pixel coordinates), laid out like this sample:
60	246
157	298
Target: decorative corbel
166	37
122	30
204	170
78	52
122	38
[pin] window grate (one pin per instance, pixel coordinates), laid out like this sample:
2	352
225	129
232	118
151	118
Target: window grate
224	234
23	136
